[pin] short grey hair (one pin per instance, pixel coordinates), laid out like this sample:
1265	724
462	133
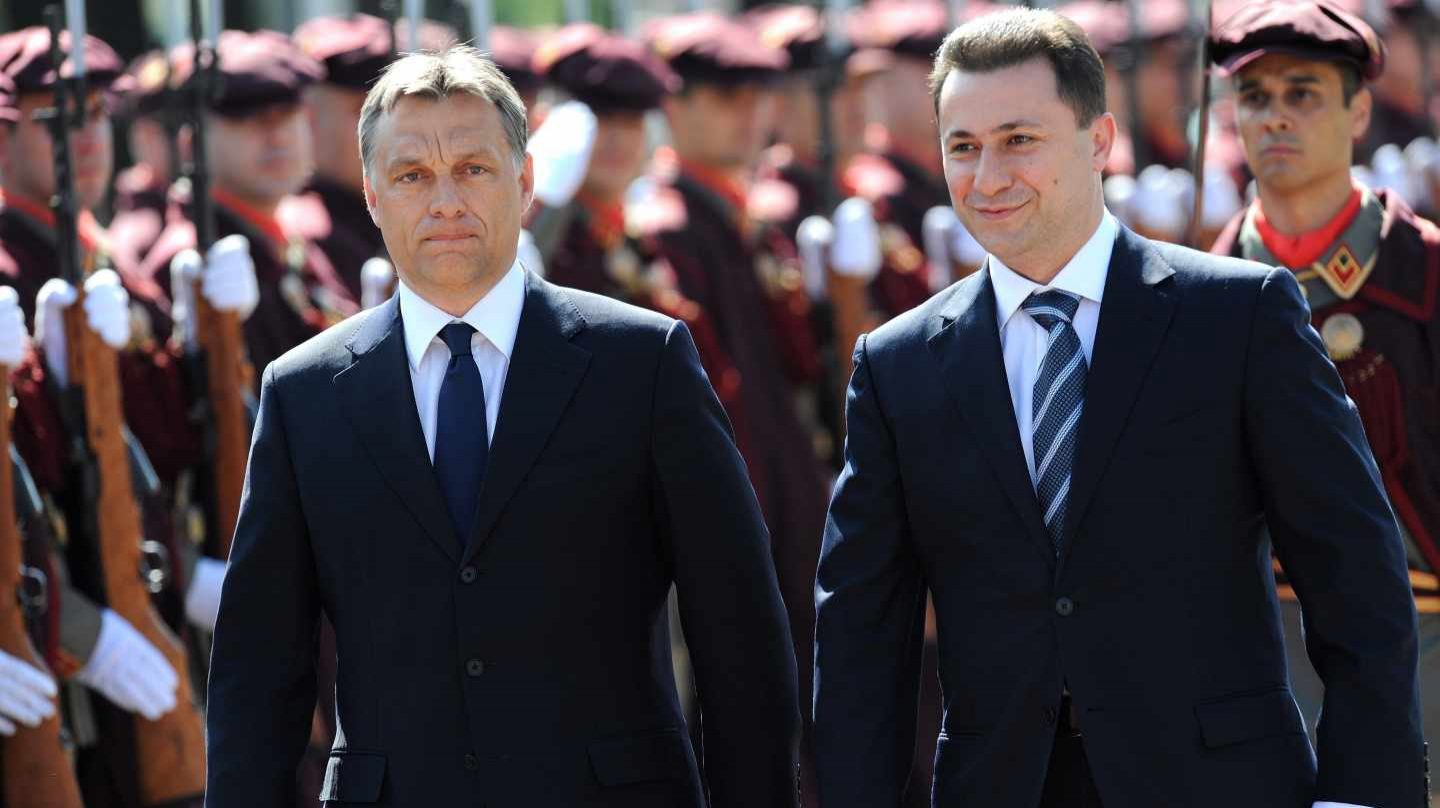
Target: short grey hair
457	70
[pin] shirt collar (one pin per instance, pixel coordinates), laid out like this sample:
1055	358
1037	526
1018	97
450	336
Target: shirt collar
496	316
1083	276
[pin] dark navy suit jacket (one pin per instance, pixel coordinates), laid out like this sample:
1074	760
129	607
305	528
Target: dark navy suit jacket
528	665
1213	425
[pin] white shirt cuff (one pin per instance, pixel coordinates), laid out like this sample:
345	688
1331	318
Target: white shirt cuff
1337	805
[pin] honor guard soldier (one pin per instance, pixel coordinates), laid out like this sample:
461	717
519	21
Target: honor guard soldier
746	279
513	50
795	159
587	154
258	152
151	124
91	644
900	173
1370	268
331	212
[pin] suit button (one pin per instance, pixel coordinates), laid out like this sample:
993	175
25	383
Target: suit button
1051	714
471	763
474	667
1064	607
468	575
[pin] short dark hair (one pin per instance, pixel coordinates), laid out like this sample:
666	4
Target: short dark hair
1350	82
1009	38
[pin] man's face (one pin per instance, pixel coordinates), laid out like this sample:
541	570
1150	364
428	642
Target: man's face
619	153
899	99
1024	177
262	157
721	126
334	117
1293	120
27	161
446	191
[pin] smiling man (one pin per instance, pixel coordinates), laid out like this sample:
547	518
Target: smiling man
1085	451
489	485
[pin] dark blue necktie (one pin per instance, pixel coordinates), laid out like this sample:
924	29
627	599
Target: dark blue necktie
1059	397
462	445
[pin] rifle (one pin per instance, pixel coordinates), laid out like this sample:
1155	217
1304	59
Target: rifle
170	750
226	369
34	767
1197	208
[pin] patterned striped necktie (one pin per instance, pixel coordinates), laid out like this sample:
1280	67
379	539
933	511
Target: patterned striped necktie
1055	409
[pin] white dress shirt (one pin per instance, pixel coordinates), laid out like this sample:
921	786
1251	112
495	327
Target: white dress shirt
1023	341
495	318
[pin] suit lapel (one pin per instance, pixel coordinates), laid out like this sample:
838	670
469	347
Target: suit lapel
545	369
966	346
380	401
1134	318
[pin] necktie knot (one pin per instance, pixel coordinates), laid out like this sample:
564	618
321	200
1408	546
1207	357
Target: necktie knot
1051	308
457	338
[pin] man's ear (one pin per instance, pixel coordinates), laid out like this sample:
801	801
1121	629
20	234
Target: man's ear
369	196
527	183
1103	132
1362	104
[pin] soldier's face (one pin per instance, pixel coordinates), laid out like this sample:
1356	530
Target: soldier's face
619	153
27	159
1024	177
448	195
262	157
334	114
1294	122
721	126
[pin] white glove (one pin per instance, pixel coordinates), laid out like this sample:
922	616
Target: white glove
14	342
126	669
936	231
814	238
966	251
1158	204
561	148
228	282
27	694
529	254
1119	196
856	253
377	279
184	269
1222	200
202	599
107	311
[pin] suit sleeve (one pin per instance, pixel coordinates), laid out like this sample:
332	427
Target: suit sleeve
730	605
262	669
1340	545
870	598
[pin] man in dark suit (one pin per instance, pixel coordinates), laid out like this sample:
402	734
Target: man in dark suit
1079	451
499	604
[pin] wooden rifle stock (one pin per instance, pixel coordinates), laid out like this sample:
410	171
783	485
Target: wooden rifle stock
171	750
34	766
227	369
227	378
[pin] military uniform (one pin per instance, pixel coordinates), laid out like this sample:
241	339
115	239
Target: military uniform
900	190
156	412
331	211
142	190
746	277
1372	279
300	292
